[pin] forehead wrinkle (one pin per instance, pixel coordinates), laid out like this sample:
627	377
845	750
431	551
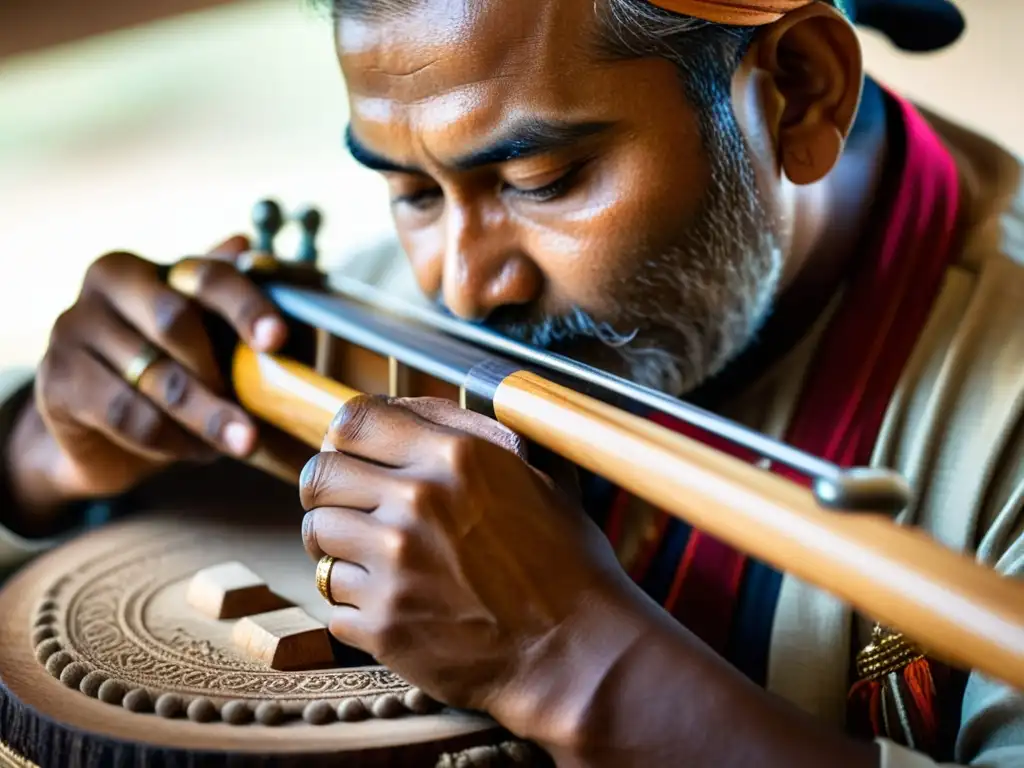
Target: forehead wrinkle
458	42
463	83
441	127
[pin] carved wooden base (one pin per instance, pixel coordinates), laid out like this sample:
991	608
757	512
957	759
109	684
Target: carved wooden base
101	638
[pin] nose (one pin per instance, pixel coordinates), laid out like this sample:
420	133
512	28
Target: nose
484	267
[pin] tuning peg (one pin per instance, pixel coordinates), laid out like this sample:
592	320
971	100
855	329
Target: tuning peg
268	221
310	220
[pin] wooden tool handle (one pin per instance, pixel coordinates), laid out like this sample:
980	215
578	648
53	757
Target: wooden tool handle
294	398
958	610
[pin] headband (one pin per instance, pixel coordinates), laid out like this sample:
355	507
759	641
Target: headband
913	25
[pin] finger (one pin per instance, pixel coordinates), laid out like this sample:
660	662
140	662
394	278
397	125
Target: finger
348	584
448	414
171	321
80	389
222	289
374	429
230	249
337	480
351	626
346	534
556	471
171	387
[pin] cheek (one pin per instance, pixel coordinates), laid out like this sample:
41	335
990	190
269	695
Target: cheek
424	247
634	209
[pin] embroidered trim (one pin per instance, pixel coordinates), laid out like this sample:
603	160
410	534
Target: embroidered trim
11	759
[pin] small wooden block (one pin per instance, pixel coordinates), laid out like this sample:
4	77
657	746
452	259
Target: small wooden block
286	640
231	591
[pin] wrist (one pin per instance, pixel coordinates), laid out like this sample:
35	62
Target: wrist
37	507
550	699
622	684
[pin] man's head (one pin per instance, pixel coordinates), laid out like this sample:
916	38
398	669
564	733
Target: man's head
602	177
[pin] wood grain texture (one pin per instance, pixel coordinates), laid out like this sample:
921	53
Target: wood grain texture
291	396
958	610
231	591
286	640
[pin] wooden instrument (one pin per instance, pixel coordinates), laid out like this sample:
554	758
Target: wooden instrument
162	641
839	535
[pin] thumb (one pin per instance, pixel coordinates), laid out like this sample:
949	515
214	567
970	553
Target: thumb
554	470
445	413
230	249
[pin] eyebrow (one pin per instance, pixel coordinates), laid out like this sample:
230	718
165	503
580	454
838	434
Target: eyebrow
525	139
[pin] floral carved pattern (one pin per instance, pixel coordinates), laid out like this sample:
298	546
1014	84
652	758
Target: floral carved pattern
101	614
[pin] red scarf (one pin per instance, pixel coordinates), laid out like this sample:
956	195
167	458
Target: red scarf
860	359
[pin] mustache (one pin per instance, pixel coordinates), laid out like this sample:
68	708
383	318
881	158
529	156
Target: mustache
549	332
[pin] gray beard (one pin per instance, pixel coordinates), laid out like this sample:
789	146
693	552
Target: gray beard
690	310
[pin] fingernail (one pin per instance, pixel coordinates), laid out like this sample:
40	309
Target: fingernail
267	332
239	438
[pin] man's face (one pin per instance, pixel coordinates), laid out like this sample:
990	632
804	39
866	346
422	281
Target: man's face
571	201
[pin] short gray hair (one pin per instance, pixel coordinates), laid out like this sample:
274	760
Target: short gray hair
706	54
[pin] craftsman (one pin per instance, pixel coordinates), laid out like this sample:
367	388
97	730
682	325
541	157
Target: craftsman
707	196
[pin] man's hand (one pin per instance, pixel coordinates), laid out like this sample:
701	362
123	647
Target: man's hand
473	577
458	565
88	433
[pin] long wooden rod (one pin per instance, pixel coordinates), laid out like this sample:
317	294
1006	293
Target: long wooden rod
958	610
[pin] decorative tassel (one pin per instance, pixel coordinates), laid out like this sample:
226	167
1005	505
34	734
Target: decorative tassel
896	696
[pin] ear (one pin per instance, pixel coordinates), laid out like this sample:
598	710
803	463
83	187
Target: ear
812	77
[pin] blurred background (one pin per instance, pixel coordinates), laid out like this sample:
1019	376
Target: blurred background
153	127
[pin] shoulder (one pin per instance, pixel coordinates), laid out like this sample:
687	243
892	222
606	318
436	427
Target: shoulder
955	428
992	183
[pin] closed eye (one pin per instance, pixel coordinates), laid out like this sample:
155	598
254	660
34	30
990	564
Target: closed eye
549	192
421	199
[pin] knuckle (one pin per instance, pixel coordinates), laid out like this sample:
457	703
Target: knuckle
420	495
309	536
65	327
127	416
54	370
397	544
210	272
459	452
312	481
171	313
118	413
389	636
215	423
176	386
106	265
511	441
146	427
352	423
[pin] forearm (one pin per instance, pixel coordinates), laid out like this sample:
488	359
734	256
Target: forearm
639	690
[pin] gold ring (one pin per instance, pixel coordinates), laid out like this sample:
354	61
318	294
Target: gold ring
323	578
141	363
